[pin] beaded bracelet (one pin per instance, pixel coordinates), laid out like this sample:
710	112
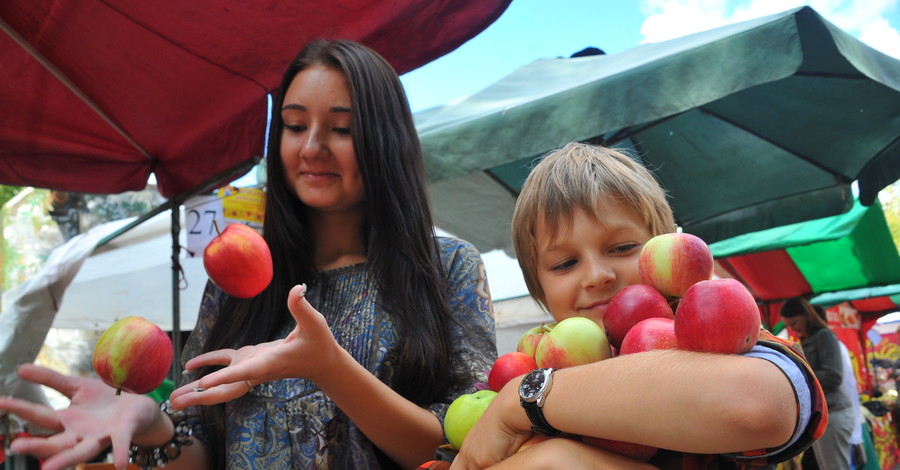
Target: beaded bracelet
160	456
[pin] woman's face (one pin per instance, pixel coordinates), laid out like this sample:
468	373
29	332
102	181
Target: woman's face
316	146
799	325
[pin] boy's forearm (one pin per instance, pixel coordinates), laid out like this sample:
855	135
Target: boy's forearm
692	402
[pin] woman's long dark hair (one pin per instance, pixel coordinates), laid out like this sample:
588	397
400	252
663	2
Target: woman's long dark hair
799	306
402	255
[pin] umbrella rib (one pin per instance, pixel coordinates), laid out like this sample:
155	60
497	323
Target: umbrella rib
180	46
816	164
25	45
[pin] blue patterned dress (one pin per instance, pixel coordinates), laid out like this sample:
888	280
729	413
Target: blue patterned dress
291	424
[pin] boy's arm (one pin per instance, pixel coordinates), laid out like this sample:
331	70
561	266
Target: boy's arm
679	400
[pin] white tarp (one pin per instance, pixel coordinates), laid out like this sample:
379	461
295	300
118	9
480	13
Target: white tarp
82	287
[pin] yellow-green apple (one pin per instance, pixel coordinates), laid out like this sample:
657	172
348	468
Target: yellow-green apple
631	305
719	315
238	261
572	342
672	262
628	449
650	333
463	413
530	339
509	366
133	355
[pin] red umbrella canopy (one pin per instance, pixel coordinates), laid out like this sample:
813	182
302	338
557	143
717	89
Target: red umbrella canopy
97	95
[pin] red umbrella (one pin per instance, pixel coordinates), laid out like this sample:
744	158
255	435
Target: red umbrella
97	95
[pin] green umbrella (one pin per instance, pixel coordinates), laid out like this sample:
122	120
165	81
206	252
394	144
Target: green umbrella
847	251
749	126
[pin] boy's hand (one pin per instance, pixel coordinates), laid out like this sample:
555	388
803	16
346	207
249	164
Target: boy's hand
498	434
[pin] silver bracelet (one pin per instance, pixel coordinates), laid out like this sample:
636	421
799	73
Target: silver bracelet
147	458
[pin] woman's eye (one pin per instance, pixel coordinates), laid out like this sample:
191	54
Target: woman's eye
342	130
294	128
564	265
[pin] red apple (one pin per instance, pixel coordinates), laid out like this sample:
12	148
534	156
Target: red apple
463	413
627	449
530	339
719	315
672	262
134	355
573	341
238	261
648	334
631	305
509	366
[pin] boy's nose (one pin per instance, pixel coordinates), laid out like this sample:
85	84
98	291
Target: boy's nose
598	275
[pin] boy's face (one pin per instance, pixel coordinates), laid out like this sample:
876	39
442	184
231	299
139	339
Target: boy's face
585	266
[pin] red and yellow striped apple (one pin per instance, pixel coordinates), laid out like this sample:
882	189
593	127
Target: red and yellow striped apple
631	305
133	355
673	262
572	342
239	261
719	315
530	339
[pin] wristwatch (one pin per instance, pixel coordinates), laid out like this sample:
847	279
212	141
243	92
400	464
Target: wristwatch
532	393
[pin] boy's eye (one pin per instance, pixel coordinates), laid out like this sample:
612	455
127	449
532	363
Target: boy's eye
564	265
627	248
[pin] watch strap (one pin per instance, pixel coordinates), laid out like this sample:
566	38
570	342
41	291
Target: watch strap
539	422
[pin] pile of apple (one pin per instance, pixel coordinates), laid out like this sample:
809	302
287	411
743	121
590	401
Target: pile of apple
710	315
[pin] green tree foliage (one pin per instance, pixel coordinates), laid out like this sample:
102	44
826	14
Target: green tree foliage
7	192
890	202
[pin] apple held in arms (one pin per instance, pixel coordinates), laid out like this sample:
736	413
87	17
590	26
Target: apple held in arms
629	307
463	413
133	355
718	316
672	262
571	342
530	339
509	366
238	261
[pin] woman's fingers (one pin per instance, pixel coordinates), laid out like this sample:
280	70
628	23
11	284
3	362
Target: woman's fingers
44	376
212	396
37	414
219	357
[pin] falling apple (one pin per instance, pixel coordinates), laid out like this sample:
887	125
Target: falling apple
648	334
463	413
631	305
573	341
673	262
718	315
509	366
238	261
133	355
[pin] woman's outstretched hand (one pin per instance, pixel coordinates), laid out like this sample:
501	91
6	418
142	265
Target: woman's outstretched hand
307	352
95	418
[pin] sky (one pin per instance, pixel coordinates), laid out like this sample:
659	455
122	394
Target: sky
538	29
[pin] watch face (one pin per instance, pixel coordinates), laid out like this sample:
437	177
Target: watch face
532	385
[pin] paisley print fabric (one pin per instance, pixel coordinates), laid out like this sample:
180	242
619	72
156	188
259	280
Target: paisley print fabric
291	424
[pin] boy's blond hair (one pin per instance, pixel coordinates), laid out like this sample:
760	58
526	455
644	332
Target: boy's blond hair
581	176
